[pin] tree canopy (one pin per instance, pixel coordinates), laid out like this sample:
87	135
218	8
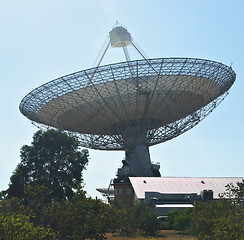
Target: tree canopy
53	160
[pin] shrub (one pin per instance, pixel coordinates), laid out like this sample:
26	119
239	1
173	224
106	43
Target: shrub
19	227
140	218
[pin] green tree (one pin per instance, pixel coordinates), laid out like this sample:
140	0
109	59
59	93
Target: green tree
83	217
204	217
221	220
230	225
80	217
179	220
140	218
17	227
236	193
37	200
53	160
171	218
11	206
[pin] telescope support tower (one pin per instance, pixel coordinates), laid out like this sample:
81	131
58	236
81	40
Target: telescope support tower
137	158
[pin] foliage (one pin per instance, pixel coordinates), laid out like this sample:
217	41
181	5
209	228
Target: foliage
83	217
179	220
140	218
11	206
17	227
235	192
230	225
222	220
204	217
171	218
53	160
80	217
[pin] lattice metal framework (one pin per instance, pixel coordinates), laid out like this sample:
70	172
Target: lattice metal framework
164	97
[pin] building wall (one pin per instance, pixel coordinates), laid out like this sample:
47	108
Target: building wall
124	193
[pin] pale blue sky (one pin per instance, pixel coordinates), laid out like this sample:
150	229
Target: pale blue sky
42	40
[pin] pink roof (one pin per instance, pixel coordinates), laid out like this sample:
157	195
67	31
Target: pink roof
181	184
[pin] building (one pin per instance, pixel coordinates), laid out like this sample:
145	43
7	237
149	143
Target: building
168	193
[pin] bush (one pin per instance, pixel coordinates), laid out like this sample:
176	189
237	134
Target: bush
83	217
182	220
179	220
140	218
18	227
78	218
221	220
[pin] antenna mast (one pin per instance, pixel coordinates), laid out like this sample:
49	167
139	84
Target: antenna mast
120	37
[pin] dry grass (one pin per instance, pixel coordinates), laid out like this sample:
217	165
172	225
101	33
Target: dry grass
163	235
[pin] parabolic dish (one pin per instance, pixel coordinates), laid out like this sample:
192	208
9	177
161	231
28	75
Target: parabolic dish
165	96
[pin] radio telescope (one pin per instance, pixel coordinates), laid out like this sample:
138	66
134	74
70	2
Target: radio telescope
130	105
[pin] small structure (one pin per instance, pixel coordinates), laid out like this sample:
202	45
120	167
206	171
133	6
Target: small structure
107	193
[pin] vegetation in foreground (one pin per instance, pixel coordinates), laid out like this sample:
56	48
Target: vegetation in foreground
80	217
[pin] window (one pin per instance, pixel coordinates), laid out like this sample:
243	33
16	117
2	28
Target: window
128	191
121	191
